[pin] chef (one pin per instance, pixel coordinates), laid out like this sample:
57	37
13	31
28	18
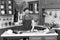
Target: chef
27	19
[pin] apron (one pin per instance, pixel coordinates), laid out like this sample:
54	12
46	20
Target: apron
27	22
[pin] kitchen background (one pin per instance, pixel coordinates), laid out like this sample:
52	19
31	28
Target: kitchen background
53	16
9	12
12	12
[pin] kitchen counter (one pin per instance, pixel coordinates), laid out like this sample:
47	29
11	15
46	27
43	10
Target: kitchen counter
10	34
57	31
29	34
56	28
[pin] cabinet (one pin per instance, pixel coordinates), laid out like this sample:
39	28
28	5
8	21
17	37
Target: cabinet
6	7
16	38
9	6
41	18
52	3
43	4
34	38
58	31
51	38
43	38
31	38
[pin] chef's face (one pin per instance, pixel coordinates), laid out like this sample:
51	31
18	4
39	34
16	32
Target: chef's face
27	11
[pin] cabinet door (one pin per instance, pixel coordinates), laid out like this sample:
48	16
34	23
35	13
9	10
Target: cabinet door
6	7
51	38
16	38
34	38
51	2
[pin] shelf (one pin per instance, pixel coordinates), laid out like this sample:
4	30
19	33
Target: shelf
11	26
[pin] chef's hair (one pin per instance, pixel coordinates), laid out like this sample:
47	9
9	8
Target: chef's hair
26	9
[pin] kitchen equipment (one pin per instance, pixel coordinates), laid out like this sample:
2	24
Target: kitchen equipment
50	13
55	16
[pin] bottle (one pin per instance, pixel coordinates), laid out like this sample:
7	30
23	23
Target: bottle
33	25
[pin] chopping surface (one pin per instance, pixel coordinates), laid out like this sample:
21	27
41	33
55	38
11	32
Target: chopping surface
10	33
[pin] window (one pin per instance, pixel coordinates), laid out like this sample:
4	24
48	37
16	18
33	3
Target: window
3	6
10	6
6	7
36	7
33	6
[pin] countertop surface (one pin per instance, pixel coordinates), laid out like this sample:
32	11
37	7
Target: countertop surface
10	34
56	28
